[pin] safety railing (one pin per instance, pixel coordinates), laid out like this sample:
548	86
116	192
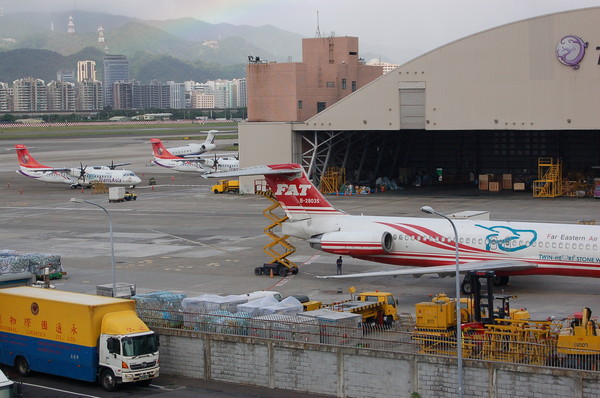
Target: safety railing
500	345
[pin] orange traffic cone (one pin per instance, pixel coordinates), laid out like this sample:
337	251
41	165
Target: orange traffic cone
271	273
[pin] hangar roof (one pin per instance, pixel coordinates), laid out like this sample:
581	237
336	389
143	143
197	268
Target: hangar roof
536	74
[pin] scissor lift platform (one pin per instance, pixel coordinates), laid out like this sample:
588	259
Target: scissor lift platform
280	264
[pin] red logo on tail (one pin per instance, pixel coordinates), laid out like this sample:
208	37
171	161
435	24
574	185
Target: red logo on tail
160	151
26	160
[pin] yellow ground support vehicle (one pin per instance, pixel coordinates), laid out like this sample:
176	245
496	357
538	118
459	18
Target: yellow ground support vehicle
578	343
376	308
226	186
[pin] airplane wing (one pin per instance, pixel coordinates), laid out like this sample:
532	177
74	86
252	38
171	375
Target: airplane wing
251	171
444	270
189	160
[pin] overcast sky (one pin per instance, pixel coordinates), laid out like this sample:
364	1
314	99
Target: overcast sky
420	25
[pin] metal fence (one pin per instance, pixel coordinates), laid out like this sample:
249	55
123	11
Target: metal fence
525	343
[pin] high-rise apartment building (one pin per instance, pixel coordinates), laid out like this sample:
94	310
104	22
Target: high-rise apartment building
29	94
61	96
90	95
5	98
86	70
176	95
116	69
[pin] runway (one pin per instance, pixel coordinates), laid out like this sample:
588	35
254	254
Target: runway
178	236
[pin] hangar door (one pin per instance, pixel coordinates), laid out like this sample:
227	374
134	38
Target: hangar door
412	105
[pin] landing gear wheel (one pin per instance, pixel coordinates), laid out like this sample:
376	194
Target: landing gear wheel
22	366
295	270
466	287
500	280
258	271
108	381
282	271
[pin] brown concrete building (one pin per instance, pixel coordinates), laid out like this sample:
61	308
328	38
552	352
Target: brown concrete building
295	91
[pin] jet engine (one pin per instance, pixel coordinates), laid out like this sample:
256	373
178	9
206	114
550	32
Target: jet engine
353	243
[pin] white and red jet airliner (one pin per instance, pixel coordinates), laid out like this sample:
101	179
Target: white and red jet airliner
509	248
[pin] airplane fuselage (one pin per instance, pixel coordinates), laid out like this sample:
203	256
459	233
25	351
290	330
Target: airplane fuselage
182	165
191	149
71	176
557	249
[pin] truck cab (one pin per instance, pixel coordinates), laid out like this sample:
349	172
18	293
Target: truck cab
226	186
126	357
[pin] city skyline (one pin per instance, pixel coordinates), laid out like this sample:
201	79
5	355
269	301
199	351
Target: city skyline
400	30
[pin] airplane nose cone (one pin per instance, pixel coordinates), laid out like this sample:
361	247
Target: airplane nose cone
136	180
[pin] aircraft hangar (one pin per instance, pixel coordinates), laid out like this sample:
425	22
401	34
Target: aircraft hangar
491	103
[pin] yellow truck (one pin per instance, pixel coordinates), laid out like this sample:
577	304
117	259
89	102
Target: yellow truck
81	336
376	308
226	186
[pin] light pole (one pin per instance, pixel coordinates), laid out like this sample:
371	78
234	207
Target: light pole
429	210
112	245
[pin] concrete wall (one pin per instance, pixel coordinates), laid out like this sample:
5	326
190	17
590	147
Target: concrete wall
353	372
261	144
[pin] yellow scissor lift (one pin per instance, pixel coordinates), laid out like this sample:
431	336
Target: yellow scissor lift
279	265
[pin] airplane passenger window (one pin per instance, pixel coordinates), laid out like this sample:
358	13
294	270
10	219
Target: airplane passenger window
468	240
480	241
595	247
567	245
581	246
560	245
396	237
554	245
587	247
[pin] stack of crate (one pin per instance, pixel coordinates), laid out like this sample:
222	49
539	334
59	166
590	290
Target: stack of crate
495	186
507	181
484	181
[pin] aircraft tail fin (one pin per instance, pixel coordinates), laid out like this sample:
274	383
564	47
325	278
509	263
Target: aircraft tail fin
25	158
210	138
290	185
160	151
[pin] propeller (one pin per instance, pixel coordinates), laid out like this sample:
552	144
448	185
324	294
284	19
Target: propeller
82	172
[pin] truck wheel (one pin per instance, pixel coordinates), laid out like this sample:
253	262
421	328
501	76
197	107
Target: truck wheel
22	366
258	271
294	270
108	381
282	271
216	191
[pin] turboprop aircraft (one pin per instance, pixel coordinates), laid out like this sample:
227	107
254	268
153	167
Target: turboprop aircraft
509	248
163	157
194	149
76	177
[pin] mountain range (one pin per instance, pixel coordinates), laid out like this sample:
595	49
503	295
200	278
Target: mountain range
37	44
